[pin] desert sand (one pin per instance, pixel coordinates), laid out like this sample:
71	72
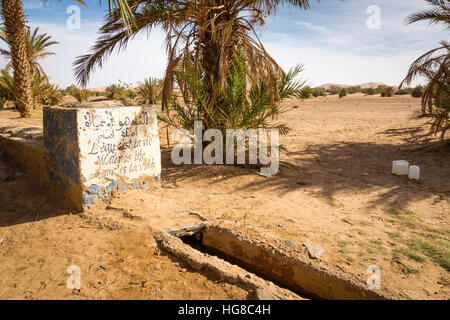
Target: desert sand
334	189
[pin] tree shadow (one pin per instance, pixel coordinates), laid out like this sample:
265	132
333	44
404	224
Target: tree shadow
24	201
23	132
330	169
417	135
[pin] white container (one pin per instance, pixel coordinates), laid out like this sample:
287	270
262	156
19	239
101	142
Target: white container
414	172
400	167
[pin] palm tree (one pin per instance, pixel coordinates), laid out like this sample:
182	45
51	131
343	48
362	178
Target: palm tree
439	14
37	45
203	33
149	91
14	28
243	106
434	66
42	92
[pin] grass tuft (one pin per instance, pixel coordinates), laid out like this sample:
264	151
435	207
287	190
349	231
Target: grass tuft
438	251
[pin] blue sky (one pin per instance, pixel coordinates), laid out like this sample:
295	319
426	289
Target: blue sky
332	40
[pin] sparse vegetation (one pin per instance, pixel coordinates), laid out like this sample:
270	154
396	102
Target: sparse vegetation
319	92
354	89
149	91
445	281
397	253
404	92
120	90
333	90
394	235
342	92
438	251
387	92
370	91
375	246
43	93
306	93
81	95
411	270
426	245
417	92
69	90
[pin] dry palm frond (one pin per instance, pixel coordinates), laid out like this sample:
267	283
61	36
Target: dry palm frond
439	14
243	106
212	29
434	66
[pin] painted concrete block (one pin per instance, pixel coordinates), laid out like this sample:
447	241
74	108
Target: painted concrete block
93	152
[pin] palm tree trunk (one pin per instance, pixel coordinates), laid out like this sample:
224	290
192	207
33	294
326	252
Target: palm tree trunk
210	58
14	22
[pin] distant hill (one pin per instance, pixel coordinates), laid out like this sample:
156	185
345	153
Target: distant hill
366	85
103	89
100	89
374	85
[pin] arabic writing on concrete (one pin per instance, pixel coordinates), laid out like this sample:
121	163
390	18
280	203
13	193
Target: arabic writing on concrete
120	142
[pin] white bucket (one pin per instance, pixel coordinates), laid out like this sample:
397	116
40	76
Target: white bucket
414	172
400	167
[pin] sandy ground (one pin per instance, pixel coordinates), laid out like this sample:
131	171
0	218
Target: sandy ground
41	239
334	189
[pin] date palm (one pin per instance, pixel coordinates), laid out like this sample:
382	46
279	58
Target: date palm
14	28
149	91
440	13
203	33
37	45
434	66
42	92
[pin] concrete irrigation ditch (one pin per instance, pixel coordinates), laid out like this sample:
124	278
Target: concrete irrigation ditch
204	244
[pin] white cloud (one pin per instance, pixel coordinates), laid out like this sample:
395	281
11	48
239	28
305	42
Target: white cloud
334	44
323	66
143	57
34	4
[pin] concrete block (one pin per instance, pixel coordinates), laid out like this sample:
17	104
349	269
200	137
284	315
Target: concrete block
94	151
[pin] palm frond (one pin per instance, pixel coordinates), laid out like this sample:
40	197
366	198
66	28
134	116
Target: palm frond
37	45
439	14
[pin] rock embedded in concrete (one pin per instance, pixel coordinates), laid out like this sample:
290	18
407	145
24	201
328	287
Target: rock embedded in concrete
93	152
261	294
289	243
314	250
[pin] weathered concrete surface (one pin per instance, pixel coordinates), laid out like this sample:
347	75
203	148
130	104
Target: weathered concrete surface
28	155
225	270
93	152
293	270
